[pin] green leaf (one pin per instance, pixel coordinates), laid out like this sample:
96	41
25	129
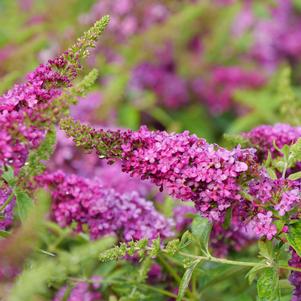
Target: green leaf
266	249
24	203
185	280
8	176
294	236
295	176
272	173
201	229
251	275
268	285
186	240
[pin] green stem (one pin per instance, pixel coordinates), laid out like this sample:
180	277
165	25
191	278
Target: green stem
160	291
239	263
284	171
221	260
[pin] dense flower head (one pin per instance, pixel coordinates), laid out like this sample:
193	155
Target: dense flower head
104	211
188	168
295	277
265	136
26	110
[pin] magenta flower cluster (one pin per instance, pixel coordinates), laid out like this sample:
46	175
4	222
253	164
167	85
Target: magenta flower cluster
280	195
265	136
23	122
103	211
188	168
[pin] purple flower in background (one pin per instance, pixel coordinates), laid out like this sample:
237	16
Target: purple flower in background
128	17
82	291
264	137
218	92
169	88
86	106
103	211
295	277
182	216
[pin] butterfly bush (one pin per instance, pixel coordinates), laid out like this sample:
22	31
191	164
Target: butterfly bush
215	179
186	166
190	169
30	108
88	203
70	159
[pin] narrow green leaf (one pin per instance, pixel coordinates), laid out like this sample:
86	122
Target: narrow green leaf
294	237
268	285
201	229
185	280
251	275
295	176
265	249
272	173
24	203
8	176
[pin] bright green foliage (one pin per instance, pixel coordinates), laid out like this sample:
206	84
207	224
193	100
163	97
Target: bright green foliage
268	285
201	229
294	236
